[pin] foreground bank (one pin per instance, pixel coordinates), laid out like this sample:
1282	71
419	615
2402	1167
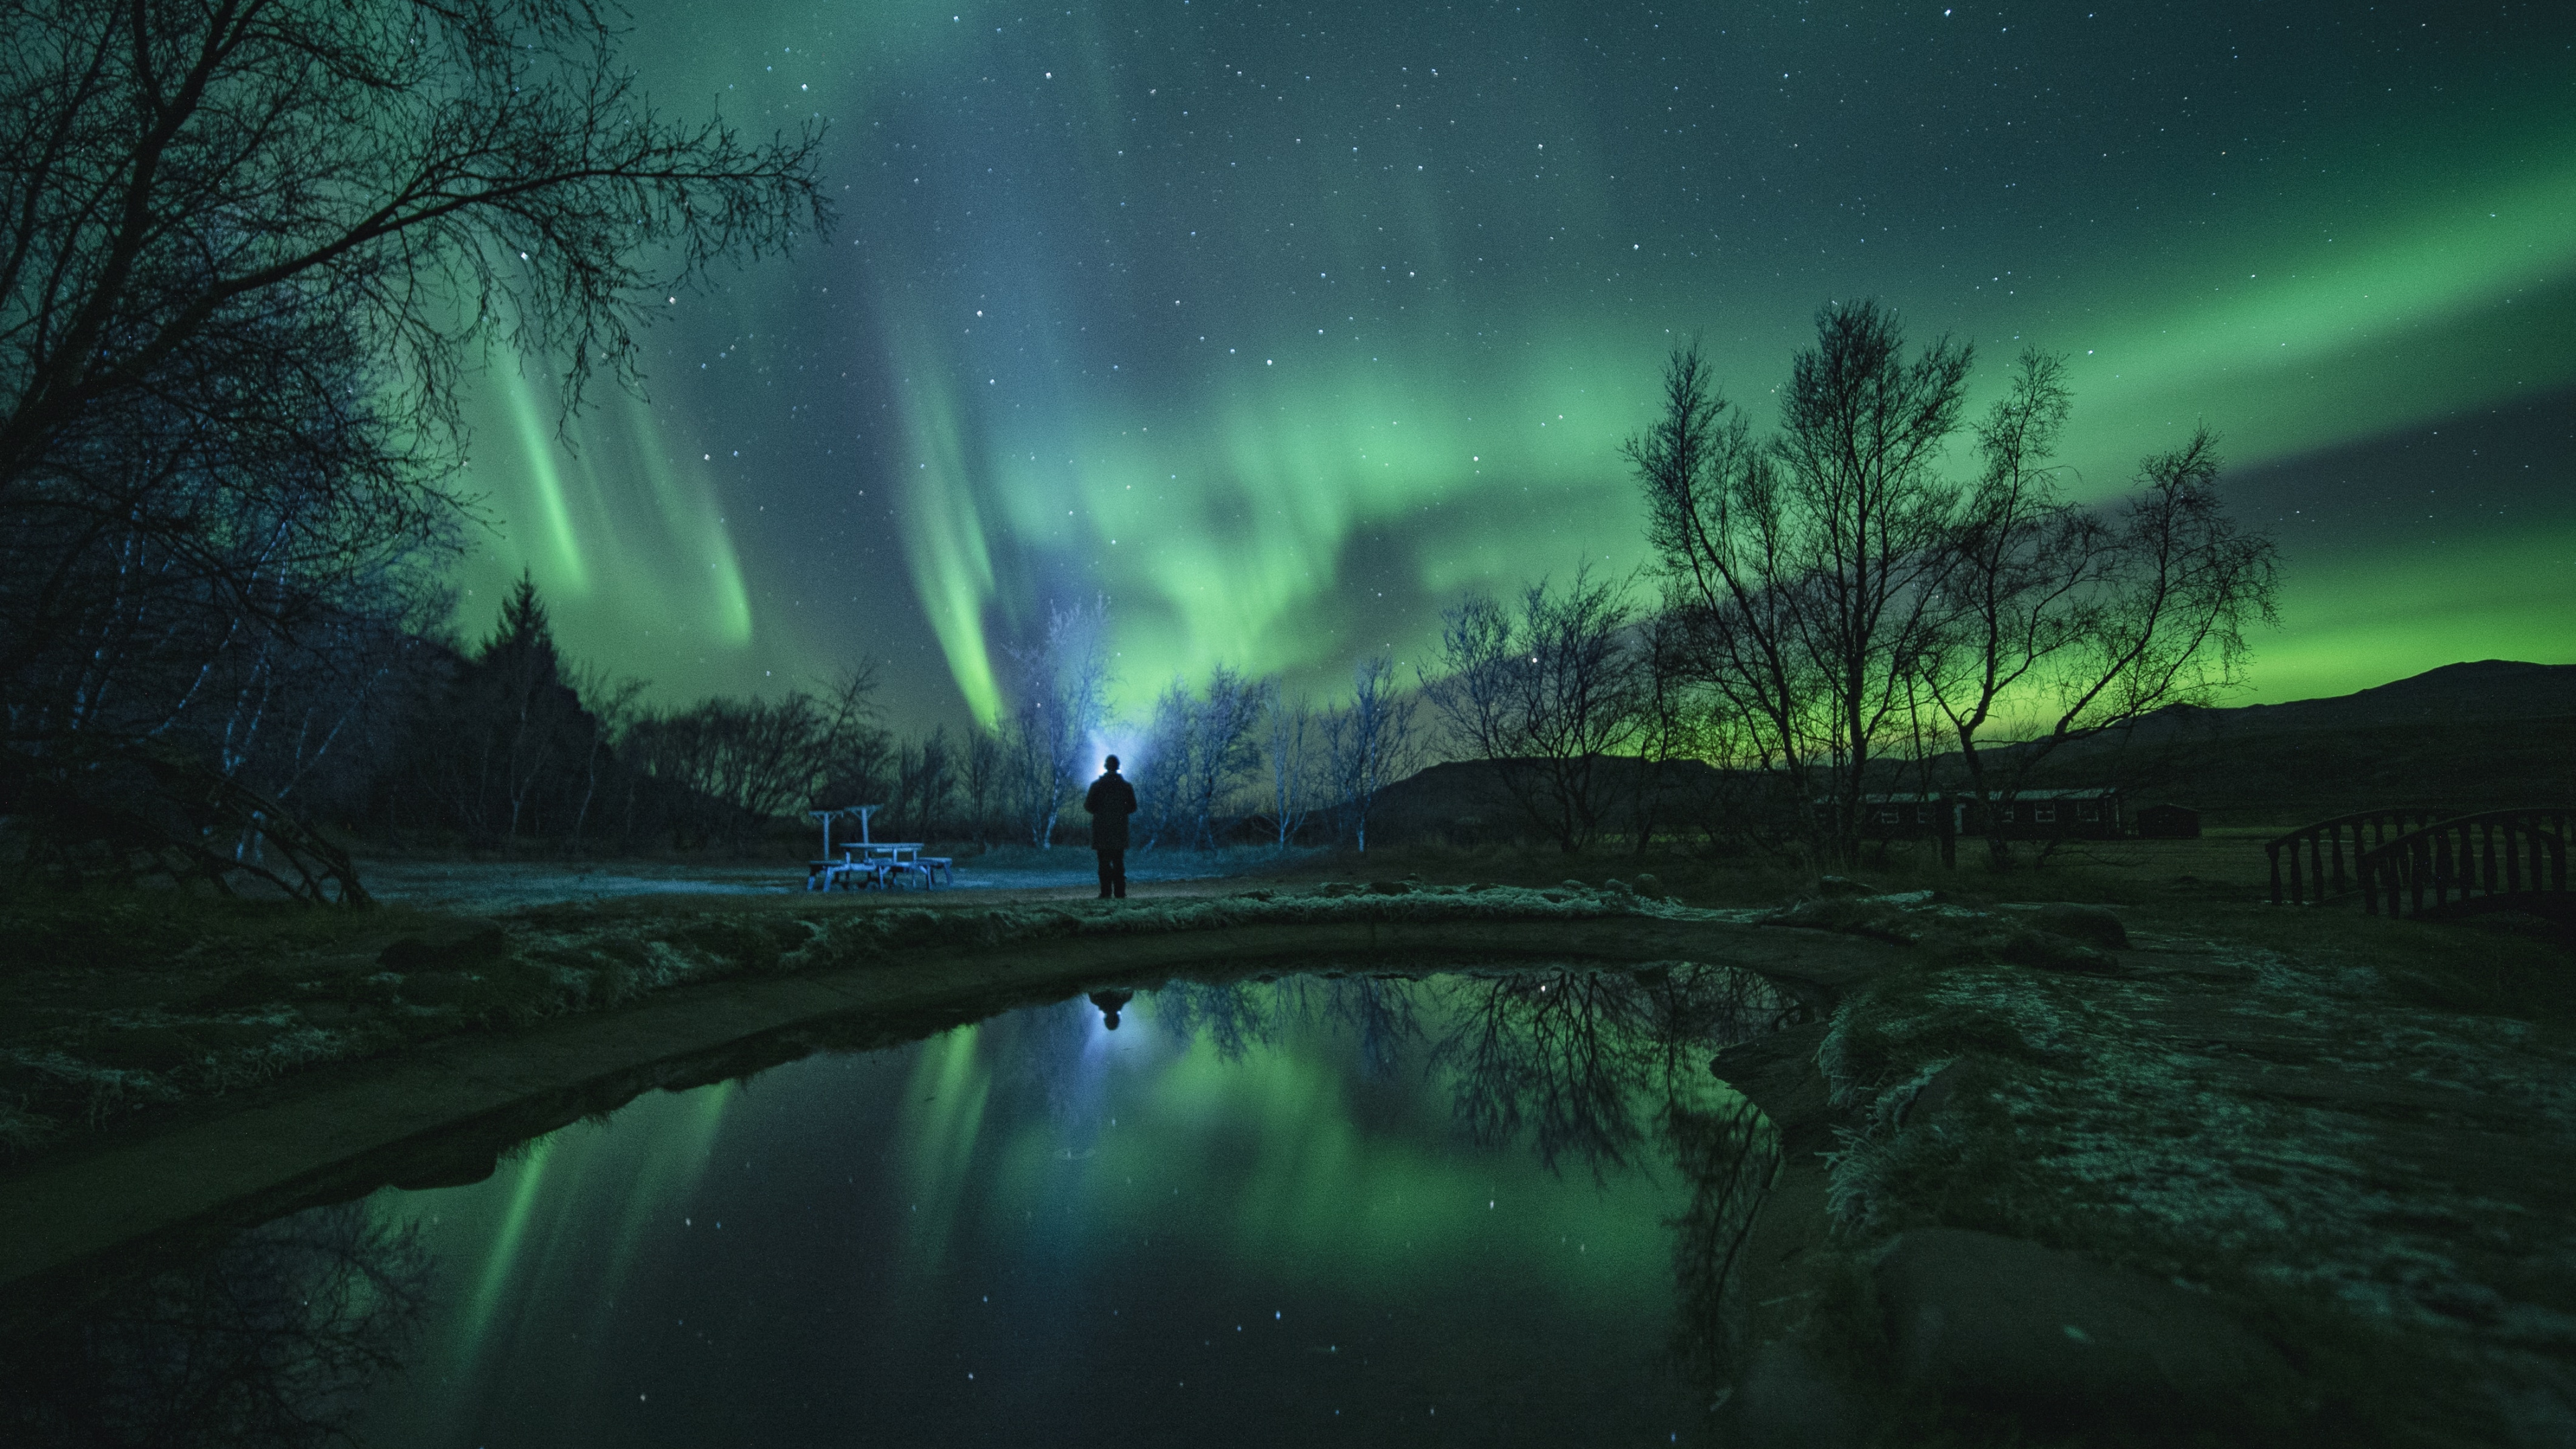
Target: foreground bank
2050	1172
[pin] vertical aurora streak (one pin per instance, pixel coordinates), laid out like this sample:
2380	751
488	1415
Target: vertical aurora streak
1281	330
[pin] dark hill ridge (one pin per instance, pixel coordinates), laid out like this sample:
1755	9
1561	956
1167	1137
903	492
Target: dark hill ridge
2477	736
2490	689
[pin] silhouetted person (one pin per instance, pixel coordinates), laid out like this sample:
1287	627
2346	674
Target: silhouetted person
1109	1002
1110	800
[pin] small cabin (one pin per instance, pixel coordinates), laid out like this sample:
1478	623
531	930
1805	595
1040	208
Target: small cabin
2168	822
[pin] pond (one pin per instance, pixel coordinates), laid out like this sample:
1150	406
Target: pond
1461	1208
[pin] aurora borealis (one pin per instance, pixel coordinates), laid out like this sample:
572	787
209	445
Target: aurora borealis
1282	325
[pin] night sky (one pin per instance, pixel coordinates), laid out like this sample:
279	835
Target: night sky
1281	325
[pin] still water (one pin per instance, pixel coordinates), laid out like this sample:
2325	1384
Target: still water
1348	1209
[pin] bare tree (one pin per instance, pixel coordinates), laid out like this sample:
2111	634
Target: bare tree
1370	744
2178	584
756	759
1196	754
924	780
1291	737
1223	750
980	779
1807	567
1163	764
616	703
2025	573
431	174
1732	596
248	249
1062	701
1545	694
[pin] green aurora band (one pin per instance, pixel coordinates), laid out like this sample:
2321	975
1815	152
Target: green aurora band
1281	369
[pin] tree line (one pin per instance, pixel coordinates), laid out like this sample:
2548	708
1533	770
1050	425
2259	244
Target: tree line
1832	615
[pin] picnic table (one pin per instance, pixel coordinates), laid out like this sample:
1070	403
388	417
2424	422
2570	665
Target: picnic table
865	863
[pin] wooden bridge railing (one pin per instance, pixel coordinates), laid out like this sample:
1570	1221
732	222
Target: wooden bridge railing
2492	858
2316	853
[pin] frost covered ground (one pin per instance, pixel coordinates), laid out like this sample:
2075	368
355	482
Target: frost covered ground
2389	1180
171	1014
495	885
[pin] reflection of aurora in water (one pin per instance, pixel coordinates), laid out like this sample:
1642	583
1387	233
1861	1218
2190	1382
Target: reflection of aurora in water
1281	327
1248	1207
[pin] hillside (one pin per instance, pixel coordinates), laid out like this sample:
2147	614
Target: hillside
2477	736
2480	735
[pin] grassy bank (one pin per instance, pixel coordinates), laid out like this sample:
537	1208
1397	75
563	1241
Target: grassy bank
2348	1137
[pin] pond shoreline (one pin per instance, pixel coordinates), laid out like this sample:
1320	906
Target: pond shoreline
340	1133
2339	1145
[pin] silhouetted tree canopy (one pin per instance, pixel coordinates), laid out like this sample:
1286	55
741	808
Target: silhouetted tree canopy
249	249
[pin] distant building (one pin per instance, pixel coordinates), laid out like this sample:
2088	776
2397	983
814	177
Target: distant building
2168	822
2031	815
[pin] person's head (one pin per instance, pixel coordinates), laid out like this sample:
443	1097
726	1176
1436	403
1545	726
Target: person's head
1110	764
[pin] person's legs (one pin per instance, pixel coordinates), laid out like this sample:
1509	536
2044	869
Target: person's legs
1106	870
1116	868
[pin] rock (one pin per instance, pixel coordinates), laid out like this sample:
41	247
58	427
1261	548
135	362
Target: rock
1852	916
232	1036
1649	885
143	1048
1786	1398
254	986
2048	951
436	988
476	944
2012	1325
2091	925
161	1048
1928	1099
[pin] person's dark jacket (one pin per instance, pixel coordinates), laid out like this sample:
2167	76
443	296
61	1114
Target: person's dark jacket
1110	800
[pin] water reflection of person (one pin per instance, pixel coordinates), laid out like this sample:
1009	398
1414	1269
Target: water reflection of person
1109	1003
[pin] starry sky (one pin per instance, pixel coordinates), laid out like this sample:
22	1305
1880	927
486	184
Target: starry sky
1280	326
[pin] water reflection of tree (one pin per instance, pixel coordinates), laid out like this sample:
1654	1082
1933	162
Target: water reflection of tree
1235	1016
269	1341
1588	1063
1384	1015
1727	1153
